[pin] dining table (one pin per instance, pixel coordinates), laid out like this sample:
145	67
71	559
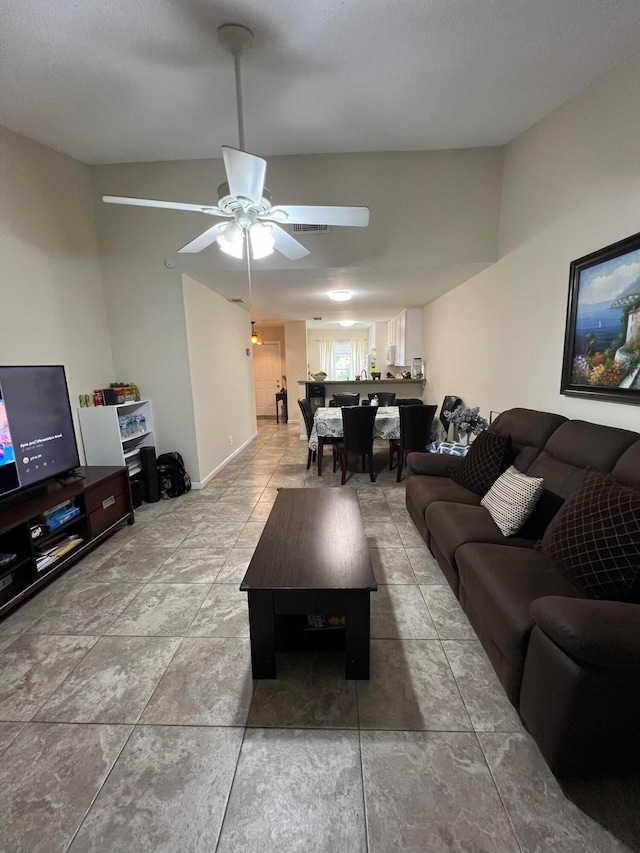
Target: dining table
327	423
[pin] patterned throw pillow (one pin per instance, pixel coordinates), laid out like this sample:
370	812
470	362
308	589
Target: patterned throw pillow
449	448
490	454
594	538
512	498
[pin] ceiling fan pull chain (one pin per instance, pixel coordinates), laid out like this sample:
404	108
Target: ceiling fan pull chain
246	238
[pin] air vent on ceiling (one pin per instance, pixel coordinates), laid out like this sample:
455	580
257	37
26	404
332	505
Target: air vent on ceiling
317	318
238	301
311	229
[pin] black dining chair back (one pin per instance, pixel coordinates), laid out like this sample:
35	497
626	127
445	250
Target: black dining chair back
409	401
357	437
385	398
307	414
448	405
415	430
346	399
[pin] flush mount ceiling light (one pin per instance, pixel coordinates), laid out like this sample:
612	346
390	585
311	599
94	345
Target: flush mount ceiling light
346	323
256	340
340	295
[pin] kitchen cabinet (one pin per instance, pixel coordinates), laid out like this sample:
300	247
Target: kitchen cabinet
404	337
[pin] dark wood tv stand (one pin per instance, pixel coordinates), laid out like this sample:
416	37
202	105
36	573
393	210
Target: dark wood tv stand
103	496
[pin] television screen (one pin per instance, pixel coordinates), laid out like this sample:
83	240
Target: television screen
37	438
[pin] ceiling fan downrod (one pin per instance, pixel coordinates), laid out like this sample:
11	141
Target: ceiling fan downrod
238	40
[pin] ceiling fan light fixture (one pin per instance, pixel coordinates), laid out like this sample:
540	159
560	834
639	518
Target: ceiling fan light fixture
262	240
231	240
340	295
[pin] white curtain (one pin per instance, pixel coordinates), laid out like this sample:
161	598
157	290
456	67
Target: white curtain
327	360
358	357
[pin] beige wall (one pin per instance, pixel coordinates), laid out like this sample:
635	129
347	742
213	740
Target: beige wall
295	335
571	186
221	378
53	311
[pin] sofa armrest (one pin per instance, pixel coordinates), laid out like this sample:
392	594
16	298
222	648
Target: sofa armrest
601	633
436	464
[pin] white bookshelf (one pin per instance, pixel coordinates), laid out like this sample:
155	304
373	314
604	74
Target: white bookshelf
103	442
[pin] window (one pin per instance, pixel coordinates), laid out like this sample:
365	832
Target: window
342	359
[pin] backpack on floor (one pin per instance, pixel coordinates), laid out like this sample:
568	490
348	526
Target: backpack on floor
174	480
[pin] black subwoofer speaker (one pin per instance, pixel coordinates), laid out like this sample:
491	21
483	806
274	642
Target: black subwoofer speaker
137	492
150	474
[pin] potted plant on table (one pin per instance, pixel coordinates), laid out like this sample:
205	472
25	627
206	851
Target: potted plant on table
466	421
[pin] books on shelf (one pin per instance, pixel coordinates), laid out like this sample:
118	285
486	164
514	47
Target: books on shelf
60	514
57	551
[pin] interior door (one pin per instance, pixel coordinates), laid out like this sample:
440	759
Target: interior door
267	370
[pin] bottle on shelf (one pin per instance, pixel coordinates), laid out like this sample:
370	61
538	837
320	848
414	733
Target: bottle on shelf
417	368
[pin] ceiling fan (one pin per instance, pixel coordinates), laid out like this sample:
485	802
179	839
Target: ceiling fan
243	201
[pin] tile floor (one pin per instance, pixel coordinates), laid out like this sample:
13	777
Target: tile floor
129	720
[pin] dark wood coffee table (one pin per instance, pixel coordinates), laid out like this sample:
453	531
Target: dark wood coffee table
312	558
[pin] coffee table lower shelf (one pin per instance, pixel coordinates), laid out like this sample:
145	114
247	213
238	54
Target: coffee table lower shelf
266	605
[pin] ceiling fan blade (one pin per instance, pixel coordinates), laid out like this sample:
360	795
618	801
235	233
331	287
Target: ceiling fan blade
205	239
286	244
245	173
172	205
294	214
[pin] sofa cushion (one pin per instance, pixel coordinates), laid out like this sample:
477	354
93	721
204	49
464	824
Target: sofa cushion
436	464
602	633
511	499
502	583
595	538
627	468
489	456
424	490
529	430
453	524
586	445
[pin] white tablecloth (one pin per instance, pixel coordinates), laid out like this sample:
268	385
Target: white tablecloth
327	422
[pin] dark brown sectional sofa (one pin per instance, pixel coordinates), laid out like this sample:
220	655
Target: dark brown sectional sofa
570	664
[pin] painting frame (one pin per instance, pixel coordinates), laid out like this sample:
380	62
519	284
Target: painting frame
602	333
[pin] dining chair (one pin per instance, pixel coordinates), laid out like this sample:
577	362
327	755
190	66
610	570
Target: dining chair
415	429
307	414
385	398
448	405
357	438
346	399
408	401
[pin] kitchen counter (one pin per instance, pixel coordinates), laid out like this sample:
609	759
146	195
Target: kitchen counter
402	388
358	382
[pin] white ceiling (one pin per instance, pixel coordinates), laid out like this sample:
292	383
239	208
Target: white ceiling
112	81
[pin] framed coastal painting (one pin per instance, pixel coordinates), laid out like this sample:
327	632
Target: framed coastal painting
602	336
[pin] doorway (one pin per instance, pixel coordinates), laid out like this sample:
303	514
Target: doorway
267	371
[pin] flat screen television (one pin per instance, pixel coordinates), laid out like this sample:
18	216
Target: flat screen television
37	438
